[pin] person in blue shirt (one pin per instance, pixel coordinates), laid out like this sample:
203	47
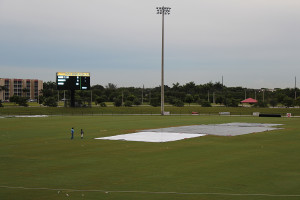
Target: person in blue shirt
72	133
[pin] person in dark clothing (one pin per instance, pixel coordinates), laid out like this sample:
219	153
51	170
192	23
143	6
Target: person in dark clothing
81	133
72	133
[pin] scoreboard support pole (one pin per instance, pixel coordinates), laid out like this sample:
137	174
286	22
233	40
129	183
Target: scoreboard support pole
72	103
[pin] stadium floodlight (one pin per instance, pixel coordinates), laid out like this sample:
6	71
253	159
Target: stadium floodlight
162	11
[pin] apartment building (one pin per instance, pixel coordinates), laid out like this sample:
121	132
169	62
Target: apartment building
29	88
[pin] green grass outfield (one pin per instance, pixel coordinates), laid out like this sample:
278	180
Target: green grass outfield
39	161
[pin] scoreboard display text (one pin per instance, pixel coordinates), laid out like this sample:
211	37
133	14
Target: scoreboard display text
73	80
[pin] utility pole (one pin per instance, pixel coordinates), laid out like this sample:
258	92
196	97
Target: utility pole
91	97
222	80
208	96
143	95
163	11
122	98
65	105
295	88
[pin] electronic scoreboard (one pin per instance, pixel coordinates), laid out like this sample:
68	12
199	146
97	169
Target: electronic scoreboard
73	80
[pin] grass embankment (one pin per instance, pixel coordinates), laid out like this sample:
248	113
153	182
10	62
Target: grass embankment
38	153
142	110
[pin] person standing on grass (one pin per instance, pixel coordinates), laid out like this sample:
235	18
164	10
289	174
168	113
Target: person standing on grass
72	133
81	134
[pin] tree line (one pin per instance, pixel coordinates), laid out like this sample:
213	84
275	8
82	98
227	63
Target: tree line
176	95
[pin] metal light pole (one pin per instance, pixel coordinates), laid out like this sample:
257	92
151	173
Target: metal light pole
295	88
163	11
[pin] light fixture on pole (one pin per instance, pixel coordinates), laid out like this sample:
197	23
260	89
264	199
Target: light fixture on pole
162	11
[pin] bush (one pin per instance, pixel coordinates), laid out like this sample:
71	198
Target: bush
178	103
118	102
1	104
232	102
155	102
102	104
262	104
14	99
205	104
128	104
200	101
21	101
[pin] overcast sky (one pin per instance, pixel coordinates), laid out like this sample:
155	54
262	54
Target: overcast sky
251	43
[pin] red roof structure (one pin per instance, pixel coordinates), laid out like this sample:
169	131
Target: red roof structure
249	100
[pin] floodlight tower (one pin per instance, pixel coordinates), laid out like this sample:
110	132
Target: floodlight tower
162	11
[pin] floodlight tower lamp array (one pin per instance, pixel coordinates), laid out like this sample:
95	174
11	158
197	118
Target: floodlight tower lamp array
165	10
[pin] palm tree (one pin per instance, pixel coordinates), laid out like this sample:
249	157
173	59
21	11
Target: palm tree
25	90
2	88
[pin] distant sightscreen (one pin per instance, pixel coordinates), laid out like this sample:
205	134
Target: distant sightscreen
73	80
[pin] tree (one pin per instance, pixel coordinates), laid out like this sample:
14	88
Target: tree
280	97
190	87
219	100
288	102
21	101
97	87
297	101
273	102
230	102
50	85
50	101
2	88
100	100
189	99
14	99
111	86
196	97
137	102
49	89
234	103
118	102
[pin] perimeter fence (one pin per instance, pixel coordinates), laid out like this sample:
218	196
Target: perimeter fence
222	111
